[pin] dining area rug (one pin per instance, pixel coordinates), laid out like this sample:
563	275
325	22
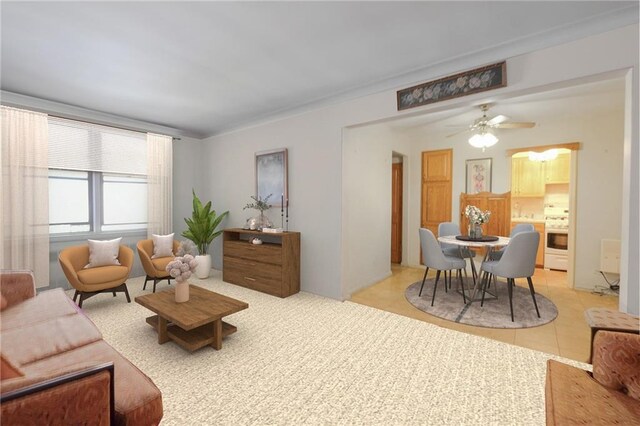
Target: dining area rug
493	314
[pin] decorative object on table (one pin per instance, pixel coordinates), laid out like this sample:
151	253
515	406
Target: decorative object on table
476	219
287	207
465	83
202	231
256	241
271	174
478	175
260	204
273	230
180	269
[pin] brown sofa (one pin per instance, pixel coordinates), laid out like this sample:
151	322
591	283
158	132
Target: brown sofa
610	395
56	369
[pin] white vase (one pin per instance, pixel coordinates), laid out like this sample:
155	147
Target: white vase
203	267
182	292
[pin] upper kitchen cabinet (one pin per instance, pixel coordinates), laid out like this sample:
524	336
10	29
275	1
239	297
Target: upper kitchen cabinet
527	177
557	170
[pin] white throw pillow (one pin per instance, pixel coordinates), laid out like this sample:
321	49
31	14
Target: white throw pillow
103	253
162	245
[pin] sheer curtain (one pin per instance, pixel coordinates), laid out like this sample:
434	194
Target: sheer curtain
24	215
160	184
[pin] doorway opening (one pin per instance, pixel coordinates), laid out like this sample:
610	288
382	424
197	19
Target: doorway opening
397	196
544	193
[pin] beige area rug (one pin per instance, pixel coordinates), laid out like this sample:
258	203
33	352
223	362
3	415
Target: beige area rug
311	360
494	313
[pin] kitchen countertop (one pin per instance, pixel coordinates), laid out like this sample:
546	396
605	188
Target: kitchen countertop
527	220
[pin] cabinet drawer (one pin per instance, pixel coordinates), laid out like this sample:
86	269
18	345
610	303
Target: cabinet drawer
259	276
269	253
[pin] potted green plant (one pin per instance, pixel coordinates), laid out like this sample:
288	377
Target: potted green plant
201	229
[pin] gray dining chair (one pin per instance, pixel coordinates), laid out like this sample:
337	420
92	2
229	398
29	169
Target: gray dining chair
521	227
434	258
446	229
518	261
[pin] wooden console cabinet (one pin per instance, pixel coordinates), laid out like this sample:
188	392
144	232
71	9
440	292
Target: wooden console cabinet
272	267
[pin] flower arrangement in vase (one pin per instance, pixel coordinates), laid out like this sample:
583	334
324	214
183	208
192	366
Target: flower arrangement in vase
260	204
180	268
476	219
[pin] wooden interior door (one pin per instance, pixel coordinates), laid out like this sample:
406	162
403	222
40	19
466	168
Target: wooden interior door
396	213
435	206
498	204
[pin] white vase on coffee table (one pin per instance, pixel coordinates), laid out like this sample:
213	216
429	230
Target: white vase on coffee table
203	268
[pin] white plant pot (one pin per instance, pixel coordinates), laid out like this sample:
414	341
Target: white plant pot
203	268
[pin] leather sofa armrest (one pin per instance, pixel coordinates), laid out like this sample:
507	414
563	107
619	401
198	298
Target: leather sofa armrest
81	397
17	286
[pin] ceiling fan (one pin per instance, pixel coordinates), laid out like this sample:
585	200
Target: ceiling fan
483	124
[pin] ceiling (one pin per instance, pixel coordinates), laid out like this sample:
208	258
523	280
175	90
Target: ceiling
207	67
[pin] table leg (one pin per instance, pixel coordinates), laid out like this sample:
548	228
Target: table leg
162	330
217	335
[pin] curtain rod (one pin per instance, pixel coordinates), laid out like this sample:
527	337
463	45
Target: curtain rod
108	125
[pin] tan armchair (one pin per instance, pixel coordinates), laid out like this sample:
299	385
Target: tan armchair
154	268
91	281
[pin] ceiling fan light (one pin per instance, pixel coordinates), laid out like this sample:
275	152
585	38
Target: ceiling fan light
483	140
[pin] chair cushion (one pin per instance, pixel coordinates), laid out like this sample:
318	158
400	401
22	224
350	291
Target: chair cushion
137	399
161	264
455	262
43	307
573	397
54	336
103	274
103	253
162	245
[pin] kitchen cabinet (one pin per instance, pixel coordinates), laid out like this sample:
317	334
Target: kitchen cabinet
539	227
527	178
557	170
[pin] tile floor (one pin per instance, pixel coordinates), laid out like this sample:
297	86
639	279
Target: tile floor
568	335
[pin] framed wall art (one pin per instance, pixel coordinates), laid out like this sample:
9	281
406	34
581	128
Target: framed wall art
271	176
478	175
462	84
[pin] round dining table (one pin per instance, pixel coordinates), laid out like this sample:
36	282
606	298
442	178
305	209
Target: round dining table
488	244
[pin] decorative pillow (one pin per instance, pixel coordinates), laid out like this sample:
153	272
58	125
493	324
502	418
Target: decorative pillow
103	253
162	245
8	371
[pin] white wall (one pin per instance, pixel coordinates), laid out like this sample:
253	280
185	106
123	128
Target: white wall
599	185
314	140
366	204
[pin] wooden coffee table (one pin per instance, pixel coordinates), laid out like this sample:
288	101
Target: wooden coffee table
192	324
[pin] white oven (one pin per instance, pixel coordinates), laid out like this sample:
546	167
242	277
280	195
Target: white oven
556	238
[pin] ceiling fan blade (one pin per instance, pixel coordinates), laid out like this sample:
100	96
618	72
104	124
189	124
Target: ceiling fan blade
497	120
522	125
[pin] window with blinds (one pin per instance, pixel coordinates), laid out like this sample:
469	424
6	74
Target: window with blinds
97	178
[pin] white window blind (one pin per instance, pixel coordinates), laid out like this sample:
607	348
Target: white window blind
75	145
